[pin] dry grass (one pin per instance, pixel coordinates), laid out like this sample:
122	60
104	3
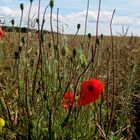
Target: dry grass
43	120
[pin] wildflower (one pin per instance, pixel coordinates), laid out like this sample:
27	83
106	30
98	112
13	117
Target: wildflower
2	123
67	100
1	33
90	91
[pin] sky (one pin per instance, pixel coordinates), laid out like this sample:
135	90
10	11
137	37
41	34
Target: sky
72	12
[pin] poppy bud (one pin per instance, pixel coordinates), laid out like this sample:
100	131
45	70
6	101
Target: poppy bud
74	52
64	50
31	62
31	1
37	20
21	6
12	22
102	36
89	35
45	97
83	63
23	40
19	48
78	26
16	55
51	3
49	45
83	60
55	48
97	42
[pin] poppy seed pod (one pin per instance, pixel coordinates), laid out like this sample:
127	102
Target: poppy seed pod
19	48
74	52
12	22
78	26
83	60
45	97
64	50
51	3
89	35
50	45
16	55
97	42
83	63
102	36
21	6
37	20
23	40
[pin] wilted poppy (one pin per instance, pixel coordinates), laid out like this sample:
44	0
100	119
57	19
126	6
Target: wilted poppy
67	100
1	33
90	91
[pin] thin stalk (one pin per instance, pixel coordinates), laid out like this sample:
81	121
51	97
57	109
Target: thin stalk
58	54
7	107
113	73
73	37
44	17
96	38
51	24
39	57
28	24
18	59
86	22
107	87
20	25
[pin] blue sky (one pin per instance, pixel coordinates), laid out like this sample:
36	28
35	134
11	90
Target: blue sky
73	12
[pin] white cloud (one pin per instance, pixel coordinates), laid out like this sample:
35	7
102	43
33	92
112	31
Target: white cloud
72	19
105	16
6	11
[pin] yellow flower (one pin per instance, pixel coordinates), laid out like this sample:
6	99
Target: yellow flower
2	122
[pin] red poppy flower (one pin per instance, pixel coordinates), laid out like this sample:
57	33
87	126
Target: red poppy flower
67	100
1	33
90	91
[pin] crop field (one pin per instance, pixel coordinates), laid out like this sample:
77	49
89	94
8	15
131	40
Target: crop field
56	86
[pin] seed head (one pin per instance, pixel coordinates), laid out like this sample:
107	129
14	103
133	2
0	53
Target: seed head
21	6
78	26
12	22
51	3
89	35
74	52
